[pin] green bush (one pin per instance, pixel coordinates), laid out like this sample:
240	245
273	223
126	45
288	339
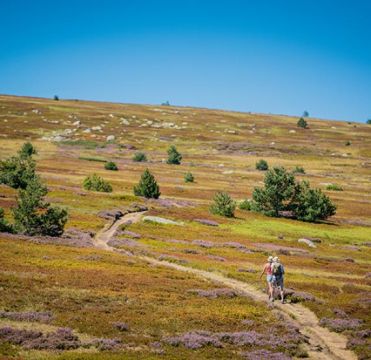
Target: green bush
313	204
281	192
368	122
262	165
140	157
334	187
27	150
223	205
245	205
348	143
4	226
188	177
110	165
16	171
33	216
305	113
298	170
174	157
147	186
302	123
96	183
56	97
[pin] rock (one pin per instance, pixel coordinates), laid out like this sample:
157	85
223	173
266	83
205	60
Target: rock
160	220
307	242
207	222
58	138
76	123
136	208
87	131
292	131
110	138
110	214
96	128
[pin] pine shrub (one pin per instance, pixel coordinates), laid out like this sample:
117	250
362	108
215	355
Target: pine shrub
174	157
147	186
110	165
302	123
188	177
96	183
223	205
140	157
262	165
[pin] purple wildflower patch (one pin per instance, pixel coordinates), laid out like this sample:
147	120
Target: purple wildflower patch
43	317
121	326
203	243
194	340
215	293
265	354
339	325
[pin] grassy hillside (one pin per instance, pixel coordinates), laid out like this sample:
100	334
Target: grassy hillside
88	290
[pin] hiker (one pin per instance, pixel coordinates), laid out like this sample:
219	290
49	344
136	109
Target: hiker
268	271
278	271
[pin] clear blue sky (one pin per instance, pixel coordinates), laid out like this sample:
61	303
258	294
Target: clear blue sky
277	56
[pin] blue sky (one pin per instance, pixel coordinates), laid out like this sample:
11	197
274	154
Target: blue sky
273	56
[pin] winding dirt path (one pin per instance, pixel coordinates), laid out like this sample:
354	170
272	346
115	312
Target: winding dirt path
323	344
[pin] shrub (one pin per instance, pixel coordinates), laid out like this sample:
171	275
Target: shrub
16	171
313	204
139	157
262	165
96	183
282	193
298	170
305	113
33	216
4	226
334	187
348	143
368	122
188	177
56	97
279	190
174	157
223	205
147	186
245	205
110	165
302	123
27	150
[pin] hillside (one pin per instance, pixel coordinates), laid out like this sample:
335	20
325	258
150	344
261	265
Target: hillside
89	290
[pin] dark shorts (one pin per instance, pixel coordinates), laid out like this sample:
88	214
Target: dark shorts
278	281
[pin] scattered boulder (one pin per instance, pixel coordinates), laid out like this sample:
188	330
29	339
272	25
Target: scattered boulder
308	242
160	220
110	138
111	214
207	222
136	208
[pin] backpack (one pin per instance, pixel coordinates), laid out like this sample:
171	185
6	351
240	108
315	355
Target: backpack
277	270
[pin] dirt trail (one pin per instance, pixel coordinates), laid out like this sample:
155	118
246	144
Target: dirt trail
323	344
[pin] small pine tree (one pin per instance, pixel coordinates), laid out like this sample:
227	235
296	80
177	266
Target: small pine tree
96	183
245	205
262	165
27	150
348	143
17	171
174	157
313	204
56	97
298	170
368	122
302	123
140	157
305	113
223	205
188	177
34	216
147	186
4	226
110	165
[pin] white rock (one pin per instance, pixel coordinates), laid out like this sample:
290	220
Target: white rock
110	138
308	242
160	220
87	131
95	128
58	138
76	123
292	131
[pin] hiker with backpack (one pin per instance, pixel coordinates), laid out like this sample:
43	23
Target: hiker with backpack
268	271
278	272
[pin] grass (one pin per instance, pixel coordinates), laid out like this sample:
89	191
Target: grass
87	294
